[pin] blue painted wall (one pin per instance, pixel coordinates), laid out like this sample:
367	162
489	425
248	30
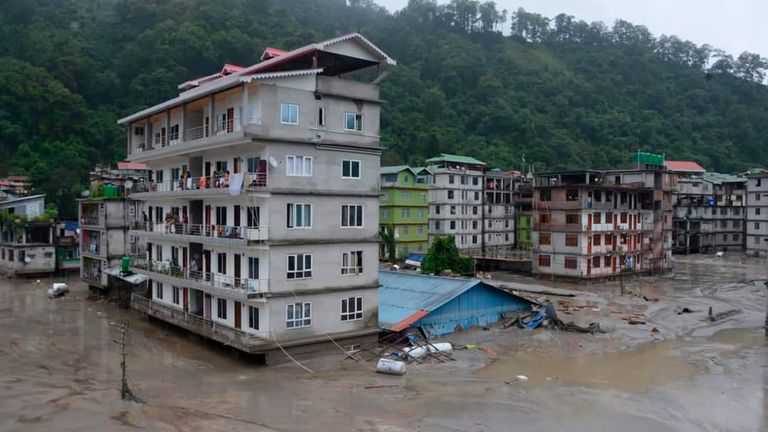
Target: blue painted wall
478	306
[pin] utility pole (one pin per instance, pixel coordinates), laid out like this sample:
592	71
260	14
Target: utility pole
125	391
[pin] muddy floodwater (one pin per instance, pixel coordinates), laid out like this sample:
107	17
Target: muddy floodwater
60	368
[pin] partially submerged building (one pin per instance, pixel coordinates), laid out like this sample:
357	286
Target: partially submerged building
105	218
262	207
757	213
404	209
27	244
597	224
441	305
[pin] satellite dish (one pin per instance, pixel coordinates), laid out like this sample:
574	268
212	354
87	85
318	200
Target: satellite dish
273	162
86	193
128	184
27	260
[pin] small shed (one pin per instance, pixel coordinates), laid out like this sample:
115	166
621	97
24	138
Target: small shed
441	305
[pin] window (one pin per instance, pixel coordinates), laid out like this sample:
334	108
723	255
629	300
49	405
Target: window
159	176
253	268
453	225
477	196
545	195
221	308
757	225
175	174
474	239
572	219
723	224
300	166
321	116
725	237
353	122
253	317
352	263
139	130
759	181
352	309
299	266
453	210
159	253
450	194
545	239
596	262
571	263
352	215
252	216
10	254
609	217
598	196
735	237
221	263
597	218
757	240
253	164
757	197
299	215
384	213
451	179
350	169
623	217
176	295
406	196
572	195
289	114
437	225
737	224
757	211
571	240
475	181
545	218
597	240
607	260
298	315
174	134
158	290
437	209
544	260
406	229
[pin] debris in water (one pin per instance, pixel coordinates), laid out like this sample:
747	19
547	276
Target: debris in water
518	378
57	290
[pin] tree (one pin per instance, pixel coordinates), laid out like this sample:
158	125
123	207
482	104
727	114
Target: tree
443	255
751	67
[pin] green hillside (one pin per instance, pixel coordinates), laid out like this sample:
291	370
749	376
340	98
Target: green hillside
560	92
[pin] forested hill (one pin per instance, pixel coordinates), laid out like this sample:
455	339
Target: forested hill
561	92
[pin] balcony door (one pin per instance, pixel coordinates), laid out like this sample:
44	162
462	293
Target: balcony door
230	120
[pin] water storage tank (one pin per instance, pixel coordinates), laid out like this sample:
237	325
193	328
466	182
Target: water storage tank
125	264
390	367
109	191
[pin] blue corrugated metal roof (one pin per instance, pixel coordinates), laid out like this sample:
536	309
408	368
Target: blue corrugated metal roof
405	298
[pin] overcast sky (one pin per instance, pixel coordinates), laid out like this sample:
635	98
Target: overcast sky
732	25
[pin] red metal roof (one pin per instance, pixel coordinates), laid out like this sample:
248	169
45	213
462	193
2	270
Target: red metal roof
405	323
684	166
230	68
131	166
270	52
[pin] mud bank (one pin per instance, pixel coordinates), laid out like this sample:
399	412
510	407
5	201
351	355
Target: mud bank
60	369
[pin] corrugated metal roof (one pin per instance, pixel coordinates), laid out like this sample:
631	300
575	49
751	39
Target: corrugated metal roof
405	297
683	166
394	169
719	178
444	157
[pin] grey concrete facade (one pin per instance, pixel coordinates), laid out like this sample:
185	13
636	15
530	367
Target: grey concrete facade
757	214
294	255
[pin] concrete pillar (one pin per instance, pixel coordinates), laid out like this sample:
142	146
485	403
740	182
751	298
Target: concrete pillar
183	124
211	114
167	127
244	107
128	138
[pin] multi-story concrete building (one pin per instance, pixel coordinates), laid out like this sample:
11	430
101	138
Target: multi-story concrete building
263	206
757	213
105	218
456	200
404	209
597	224
498	226
523	200
709	213
27	244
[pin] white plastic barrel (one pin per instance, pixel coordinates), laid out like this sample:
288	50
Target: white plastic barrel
441	346
390	367
416	352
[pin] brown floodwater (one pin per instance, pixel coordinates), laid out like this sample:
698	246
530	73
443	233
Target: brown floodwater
59	370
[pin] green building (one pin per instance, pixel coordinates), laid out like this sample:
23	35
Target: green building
523	231
404	210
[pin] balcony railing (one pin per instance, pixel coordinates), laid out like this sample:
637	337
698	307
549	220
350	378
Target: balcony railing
253	233
251	181
215	280
90	220
92	248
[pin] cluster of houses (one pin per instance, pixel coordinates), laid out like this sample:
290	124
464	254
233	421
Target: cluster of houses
254	209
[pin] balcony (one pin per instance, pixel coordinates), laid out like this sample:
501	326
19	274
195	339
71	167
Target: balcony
215	283
197	187
202	326
189	139
197	233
